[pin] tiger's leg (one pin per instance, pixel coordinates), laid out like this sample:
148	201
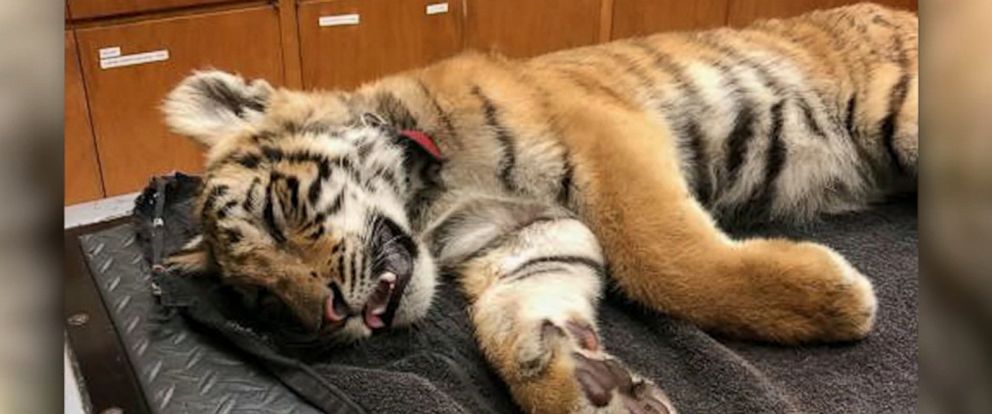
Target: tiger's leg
666	252
533	276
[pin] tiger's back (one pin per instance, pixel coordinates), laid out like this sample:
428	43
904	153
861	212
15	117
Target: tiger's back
783	120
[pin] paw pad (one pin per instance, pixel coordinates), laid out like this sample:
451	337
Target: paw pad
602	380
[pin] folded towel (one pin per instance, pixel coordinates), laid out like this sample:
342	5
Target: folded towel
435	366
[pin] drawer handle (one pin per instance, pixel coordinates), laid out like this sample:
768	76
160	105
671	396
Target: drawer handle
339	20
437	8
134	59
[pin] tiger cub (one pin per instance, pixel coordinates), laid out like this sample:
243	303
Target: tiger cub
532	181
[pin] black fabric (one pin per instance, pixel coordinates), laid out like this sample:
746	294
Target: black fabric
436	367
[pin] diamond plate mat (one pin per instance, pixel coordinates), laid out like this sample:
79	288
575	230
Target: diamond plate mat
180	369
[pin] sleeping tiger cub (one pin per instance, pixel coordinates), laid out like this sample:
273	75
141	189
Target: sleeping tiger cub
532	181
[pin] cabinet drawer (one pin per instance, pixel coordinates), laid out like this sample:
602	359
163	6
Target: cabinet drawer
521	28
346	42
82	174
132	139
87	9
645	17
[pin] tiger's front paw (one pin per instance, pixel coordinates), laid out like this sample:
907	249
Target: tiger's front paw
564	369
610	387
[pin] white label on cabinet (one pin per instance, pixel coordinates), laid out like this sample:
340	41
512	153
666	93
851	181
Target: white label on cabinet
338	20
109	52
437	8
135	59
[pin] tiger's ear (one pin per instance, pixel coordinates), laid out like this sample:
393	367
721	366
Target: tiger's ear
210	105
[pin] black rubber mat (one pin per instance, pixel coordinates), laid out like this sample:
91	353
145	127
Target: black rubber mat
181	370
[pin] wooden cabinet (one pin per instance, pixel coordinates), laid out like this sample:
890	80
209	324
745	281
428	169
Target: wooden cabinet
131	137
644	17
521	28
346	42
87	9
82	172
115	137
742	12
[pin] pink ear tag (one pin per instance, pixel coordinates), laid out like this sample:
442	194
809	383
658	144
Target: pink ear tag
424	141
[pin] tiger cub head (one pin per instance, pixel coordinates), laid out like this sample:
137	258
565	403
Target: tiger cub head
303	206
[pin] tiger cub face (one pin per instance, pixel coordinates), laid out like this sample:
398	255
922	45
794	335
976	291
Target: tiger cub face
303	207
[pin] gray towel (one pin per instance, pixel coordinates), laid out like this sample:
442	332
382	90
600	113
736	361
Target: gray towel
435	365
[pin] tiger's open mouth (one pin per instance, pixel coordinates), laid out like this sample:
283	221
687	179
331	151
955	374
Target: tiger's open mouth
378	311
394	257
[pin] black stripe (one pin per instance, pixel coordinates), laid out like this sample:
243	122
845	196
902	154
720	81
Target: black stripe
353	274
324	168
226	209
849	121
268	215
317	233
215	193
449	127
272	154
758	208
249	160
233	236
395	112
566	182
810	120
249	202
294	192
313	193
592	85
888	125
500	240
767	78
702	186
336	205
535	272
897	98
738	142
508	160
776	155
340	265
664	63
218	91
632	68
364	149
389	177
850	125
571	260
691	137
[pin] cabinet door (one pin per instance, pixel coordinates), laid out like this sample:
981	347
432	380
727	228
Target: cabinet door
346	42
86	9
742	12
131	136
82	173
522	28
644	17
